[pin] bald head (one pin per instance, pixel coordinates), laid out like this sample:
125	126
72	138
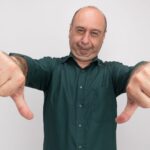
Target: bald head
90	8
86	34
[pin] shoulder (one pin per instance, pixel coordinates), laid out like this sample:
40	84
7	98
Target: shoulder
111	64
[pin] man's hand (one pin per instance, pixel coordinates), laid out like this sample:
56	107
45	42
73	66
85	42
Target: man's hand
138	92
12	81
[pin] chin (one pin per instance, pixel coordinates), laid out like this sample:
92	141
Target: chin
84	58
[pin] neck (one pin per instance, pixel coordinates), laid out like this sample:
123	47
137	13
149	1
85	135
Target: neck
83	64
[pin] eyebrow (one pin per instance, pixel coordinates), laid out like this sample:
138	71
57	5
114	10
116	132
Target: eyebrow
80	27
97	30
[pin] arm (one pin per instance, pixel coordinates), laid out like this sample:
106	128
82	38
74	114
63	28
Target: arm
38	71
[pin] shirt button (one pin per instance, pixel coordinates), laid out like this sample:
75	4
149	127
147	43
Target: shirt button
80	105
81	87
80	147
79	125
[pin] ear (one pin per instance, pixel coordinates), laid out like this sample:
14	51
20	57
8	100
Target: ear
104	36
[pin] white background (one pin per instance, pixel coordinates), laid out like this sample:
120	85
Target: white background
40	28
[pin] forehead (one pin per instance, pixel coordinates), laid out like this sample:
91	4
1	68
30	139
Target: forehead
89	18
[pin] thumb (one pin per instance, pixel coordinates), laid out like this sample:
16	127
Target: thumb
21	104
127	112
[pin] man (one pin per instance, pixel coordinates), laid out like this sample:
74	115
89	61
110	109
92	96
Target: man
80	90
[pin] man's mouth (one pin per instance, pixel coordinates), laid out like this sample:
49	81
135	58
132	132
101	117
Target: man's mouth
84	51
84	48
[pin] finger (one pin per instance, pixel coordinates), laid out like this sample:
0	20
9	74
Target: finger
142	99
5	73
22	105
136	94
145	86
12	85
4	58
4	77
139	86
142	79
127	112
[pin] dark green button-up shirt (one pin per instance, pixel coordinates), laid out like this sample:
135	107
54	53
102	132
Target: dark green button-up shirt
80	104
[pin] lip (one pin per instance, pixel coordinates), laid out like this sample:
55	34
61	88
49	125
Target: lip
83	48
83	51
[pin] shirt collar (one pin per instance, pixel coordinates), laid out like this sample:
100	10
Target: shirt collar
66	58
95	60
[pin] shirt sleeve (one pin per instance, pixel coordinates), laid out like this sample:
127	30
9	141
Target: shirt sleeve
39	71
120	75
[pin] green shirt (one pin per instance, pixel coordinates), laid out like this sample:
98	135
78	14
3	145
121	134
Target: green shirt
79	104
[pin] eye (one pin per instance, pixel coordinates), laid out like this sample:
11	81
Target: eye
95	33
80	30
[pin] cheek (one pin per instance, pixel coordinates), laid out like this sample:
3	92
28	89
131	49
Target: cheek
96	47
74	40
74	37
95	52
98	44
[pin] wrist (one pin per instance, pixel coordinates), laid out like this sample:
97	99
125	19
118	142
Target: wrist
21	62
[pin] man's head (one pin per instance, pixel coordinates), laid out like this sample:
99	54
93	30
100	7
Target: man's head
87	32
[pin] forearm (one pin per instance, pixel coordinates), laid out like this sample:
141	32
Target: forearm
38	71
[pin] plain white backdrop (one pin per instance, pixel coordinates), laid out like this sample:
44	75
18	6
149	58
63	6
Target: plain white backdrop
39	28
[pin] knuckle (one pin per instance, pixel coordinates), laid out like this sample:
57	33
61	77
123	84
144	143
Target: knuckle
136	78
145	70
129	88
21	79
12	67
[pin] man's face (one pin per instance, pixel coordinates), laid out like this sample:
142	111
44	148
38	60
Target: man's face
86	34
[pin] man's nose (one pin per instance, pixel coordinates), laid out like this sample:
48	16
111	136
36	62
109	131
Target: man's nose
86	38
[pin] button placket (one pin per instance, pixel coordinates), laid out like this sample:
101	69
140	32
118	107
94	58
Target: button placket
80	111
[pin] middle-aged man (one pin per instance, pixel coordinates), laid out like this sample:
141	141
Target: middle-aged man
80	90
